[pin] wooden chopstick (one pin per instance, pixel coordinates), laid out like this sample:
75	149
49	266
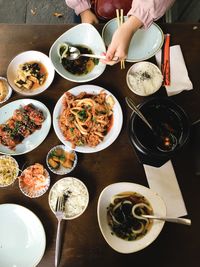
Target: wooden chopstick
166	61
120	20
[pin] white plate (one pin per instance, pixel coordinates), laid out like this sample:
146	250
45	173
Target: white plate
23	239
111	135
115	242
82	34
35	139
26	57
144	43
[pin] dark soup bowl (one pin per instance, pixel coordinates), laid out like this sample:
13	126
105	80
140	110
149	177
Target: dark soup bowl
165	116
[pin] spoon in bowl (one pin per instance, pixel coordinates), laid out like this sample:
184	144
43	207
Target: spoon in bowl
165	143
168	219
73	53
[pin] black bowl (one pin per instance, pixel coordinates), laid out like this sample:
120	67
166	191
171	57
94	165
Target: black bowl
160	112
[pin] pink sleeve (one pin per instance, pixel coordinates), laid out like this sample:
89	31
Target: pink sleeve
149	10
78	5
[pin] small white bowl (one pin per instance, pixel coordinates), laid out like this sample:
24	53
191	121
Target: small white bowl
76	193
8	88
144	78
27	57
6	165
83	34
31	193
62	170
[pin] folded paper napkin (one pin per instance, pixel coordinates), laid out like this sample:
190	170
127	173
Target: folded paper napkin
163	181
178	72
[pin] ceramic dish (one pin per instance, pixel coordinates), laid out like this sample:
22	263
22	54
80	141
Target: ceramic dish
34	181
144	78
111	135
33	140
5	90
82	34
61	163
117	243
20	245
9	170
75	193
144	44
30	57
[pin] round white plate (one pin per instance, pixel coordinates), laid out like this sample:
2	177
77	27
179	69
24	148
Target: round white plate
35	139
115	242
27	57
144	43
111	135
23	238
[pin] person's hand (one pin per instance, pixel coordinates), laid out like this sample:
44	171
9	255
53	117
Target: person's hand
118	48
88	16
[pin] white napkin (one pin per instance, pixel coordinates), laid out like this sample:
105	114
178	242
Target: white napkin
178	72
163	181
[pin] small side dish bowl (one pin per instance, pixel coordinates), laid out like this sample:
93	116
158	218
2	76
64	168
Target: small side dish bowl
61	160
9	170
144	78
5	90
34	181
125	245
34	86
84	35
75	194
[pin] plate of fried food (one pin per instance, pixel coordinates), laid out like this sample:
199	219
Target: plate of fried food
61	160
87	118
24	124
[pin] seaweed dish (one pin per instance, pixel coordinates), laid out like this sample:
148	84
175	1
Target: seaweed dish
82	65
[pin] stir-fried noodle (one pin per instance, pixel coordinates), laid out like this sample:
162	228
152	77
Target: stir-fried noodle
86	118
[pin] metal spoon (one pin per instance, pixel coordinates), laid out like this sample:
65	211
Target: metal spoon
168	219
74	53
165	143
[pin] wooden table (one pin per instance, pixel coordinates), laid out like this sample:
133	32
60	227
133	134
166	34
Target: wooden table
83	243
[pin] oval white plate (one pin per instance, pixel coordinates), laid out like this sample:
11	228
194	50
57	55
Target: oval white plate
144	44
23	239
26	57
112	134
115	242
82	34
33	140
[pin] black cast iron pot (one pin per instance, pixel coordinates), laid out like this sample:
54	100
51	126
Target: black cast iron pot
160	112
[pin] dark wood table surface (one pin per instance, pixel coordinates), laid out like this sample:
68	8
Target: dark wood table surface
83	243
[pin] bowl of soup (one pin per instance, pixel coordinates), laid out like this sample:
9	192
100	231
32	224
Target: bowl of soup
119	210
30	73
166	117
87	39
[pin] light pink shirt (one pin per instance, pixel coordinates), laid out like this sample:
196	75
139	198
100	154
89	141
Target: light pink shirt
145	10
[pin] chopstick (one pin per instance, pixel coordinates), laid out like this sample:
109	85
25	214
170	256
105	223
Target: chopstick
120	20
165	67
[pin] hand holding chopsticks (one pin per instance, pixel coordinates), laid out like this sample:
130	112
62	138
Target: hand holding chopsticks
120	20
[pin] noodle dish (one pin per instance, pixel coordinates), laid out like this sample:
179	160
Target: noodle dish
87	118
120	211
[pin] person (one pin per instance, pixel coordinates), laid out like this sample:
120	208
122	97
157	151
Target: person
141	15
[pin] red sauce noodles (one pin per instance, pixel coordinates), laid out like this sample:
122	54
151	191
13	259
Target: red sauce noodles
86	118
